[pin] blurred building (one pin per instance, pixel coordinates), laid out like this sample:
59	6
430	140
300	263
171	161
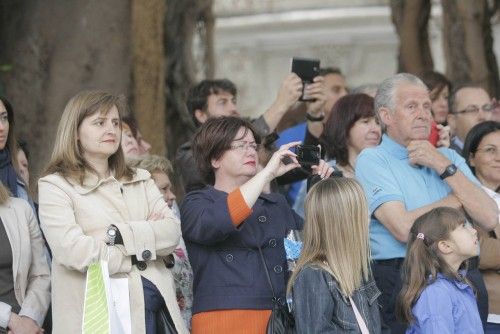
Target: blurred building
256	39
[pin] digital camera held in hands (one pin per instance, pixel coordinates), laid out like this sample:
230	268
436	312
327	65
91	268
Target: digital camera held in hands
308	155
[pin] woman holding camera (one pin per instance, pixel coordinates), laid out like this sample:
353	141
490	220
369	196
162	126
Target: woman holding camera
226	223
94	208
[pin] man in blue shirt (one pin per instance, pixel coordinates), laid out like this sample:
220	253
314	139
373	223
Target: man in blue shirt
405	177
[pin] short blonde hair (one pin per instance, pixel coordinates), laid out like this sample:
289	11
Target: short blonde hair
152	163
336	233
67	156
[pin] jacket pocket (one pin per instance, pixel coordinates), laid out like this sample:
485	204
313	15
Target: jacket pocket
235	267
371	292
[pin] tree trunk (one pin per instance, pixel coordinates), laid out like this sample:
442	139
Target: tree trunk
54	49
410	19
148	55
468	44
185	21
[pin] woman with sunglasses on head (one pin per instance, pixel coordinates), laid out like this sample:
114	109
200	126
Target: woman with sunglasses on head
227	225
482	153
94	208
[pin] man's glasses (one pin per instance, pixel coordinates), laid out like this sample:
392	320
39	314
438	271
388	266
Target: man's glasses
474	109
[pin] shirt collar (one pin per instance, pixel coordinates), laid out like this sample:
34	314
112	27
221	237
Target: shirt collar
394	148
459	284
457	142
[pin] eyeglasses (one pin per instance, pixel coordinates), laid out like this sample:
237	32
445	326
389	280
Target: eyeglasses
474	109
243	147
490	150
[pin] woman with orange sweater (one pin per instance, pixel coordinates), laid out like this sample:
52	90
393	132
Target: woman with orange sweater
225	223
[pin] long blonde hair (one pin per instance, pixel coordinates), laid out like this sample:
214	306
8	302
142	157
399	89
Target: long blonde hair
4	194
67	156
336	233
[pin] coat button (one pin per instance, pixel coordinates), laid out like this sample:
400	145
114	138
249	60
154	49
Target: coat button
278	269
262	219
146	255
229	257
141	265
272	243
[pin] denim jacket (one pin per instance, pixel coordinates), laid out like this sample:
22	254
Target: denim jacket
320	307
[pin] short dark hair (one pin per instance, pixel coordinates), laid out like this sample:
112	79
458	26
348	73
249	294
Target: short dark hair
453	94
330	70
345	113
474	138
213	138
198	95
435	81
132	124
23	146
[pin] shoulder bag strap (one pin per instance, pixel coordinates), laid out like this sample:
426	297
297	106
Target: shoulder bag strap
267	273
264	265
359	318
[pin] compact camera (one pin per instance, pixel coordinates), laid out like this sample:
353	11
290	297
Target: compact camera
308	155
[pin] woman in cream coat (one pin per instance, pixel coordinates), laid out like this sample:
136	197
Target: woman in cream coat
31	280
87	192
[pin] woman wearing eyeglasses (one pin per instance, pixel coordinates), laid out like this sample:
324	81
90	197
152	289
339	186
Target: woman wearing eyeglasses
482	152
225	223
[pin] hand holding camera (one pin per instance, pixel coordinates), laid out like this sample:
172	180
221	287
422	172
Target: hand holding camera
307	70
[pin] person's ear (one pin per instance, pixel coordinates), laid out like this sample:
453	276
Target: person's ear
201	115
444	247
215	163
472	162
385	115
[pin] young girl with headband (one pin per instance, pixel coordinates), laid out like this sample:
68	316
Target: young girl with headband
436	297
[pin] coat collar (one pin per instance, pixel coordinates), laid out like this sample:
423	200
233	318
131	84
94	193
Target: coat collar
215	194
92	182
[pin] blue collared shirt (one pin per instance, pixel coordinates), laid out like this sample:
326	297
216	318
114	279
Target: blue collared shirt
386	175
446	306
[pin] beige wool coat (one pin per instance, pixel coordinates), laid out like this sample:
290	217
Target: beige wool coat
74	219
29	264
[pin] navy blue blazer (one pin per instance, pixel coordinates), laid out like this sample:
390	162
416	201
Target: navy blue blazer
228	271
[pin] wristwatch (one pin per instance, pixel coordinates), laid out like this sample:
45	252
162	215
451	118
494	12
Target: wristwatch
111	234
315	118
449	171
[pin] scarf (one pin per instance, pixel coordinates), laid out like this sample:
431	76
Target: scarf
8	174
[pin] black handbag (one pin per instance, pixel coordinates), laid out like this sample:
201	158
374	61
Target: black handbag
281	320
164	322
